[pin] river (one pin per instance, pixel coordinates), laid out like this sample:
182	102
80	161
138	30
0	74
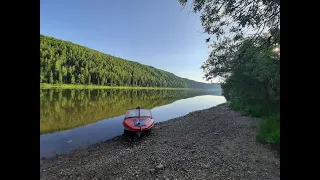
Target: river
71	119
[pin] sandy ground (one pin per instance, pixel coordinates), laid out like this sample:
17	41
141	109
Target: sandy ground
216	143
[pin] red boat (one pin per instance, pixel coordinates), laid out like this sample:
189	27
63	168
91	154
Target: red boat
138	120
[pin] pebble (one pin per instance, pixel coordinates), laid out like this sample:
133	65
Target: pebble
160	166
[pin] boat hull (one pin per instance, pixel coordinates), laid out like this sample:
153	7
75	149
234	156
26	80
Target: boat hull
138	125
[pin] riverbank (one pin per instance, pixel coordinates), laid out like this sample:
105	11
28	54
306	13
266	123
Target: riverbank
269	126
215	143
79	86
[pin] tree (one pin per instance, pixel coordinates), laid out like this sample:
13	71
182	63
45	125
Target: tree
254	79
72	79
230	21
64	74
60	78
41	78
89	79
51	77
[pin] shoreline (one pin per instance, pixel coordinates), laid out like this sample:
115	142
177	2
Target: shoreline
78	86
213	143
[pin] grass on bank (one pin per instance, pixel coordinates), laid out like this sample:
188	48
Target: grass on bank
269	126
269	130
79	86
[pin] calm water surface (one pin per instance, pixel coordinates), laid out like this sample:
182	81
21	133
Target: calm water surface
71	119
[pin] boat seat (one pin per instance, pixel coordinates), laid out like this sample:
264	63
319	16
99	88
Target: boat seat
142	122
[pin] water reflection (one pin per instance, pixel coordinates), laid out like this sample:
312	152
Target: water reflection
66	109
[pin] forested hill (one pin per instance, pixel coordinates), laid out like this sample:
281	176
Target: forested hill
63	62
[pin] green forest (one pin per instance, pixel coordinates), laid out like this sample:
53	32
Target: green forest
63	62
245	41
62	109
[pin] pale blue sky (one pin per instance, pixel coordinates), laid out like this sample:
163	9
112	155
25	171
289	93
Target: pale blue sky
153	32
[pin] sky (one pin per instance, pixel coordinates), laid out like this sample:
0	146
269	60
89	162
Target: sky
158	33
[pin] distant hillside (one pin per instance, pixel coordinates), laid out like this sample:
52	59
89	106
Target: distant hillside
63	62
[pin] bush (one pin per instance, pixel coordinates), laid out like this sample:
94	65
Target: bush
257	108
269	130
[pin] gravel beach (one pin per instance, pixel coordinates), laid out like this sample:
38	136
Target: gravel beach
215	143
